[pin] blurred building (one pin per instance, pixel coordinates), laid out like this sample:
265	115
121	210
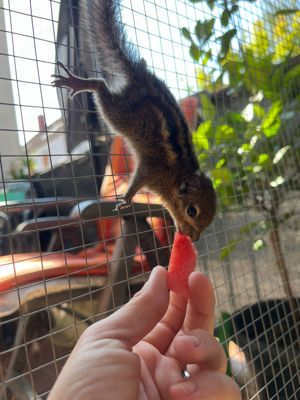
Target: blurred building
48	148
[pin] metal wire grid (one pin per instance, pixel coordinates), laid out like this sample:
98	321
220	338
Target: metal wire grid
243	278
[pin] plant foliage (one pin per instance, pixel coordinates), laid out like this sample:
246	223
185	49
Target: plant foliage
247	147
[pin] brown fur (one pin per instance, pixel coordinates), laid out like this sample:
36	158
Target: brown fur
146	114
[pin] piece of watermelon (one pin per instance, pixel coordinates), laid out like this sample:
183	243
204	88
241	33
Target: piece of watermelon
182	263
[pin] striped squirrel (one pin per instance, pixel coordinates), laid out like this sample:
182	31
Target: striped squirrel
136	104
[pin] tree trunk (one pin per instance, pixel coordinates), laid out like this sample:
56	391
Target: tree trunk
282	267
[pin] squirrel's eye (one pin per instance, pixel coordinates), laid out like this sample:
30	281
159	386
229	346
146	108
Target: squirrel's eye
191	211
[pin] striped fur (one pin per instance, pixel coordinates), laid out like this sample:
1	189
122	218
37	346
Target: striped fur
136	104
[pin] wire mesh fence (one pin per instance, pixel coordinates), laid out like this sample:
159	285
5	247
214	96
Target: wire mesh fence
69	259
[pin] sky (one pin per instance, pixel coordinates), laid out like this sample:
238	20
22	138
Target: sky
154	25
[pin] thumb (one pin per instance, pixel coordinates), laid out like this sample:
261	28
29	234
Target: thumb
140	315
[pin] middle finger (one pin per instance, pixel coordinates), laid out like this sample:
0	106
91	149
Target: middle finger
164	332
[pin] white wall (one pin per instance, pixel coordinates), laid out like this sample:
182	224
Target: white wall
46	157
9	142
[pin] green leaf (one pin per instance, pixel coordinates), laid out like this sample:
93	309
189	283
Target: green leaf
224	331
258	245
226	193
259	111
217	183
257	169
248	168
186	33
225	17
205	129
263	227
195	52
271	122
202	157
207	57
273	129
202	143
277	182
224	174
272	115
245	148
203	30
220	163
263	158
287	11
248	227
226	40
225	134
280	154
248	112
258	48
210	3
227	250
237	121
207	107
292	77
286	216
200	137
253	141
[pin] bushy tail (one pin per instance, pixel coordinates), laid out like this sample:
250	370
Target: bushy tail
105	34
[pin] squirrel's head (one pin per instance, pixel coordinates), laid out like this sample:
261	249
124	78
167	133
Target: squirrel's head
193	205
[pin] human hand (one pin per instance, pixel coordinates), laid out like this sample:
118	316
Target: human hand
141	351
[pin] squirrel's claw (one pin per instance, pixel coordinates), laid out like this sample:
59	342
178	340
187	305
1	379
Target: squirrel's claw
124	203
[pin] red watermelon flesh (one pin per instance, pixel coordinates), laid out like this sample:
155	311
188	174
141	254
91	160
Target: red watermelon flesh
182	263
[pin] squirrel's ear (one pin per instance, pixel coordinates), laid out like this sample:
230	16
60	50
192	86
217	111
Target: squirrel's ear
195	181
199	175
183	188
144	62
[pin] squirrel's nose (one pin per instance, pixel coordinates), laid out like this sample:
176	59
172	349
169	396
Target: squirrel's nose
195	235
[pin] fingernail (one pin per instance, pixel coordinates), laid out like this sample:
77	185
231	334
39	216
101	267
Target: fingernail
151	276
153	273
194	340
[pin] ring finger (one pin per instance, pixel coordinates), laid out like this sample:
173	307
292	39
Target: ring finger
206	385
199	348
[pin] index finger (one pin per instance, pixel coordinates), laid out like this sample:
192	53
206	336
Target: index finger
197	314
164	332
201	304
139	316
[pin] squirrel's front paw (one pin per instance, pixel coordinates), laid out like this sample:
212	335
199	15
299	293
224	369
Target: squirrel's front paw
122	203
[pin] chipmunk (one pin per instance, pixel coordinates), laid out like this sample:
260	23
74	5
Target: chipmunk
138	105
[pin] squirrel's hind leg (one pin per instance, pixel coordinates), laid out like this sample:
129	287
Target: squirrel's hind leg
75	83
